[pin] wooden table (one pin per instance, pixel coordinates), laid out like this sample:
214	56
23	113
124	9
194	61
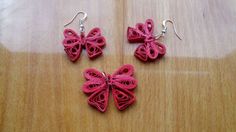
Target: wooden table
193	88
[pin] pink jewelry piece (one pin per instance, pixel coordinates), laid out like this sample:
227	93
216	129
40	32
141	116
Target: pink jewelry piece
151	49
99	84
74	43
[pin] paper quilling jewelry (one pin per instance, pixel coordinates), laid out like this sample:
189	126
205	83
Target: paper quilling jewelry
74	43
151	48
99	84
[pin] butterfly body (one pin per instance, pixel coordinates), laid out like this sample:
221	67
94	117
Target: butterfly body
99	85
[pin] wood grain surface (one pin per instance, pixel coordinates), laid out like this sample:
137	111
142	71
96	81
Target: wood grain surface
191	89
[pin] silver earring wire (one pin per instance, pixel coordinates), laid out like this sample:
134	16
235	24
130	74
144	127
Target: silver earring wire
81	20
164	26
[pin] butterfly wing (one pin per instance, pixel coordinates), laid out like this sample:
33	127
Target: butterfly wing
94	43
141	53
123	77
97	88
95	36
134	36
161	48
99	99
72	44
122	97
147	51
95	80
155	50
123	83
139	33
93	74
149	27
150	51
124	70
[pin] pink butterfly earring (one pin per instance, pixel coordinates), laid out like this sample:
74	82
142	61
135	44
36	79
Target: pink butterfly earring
120	83
74	43
151	49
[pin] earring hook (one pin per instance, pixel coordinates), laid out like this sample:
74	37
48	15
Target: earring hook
165	29
81	20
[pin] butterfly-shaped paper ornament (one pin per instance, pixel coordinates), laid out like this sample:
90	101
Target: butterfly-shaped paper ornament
74	43
150	49
99	84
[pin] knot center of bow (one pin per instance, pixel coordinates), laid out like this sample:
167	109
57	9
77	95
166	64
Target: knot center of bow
83	39
108	79
149	38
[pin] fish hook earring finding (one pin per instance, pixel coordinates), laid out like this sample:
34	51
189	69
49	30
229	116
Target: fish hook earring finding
81	20
165	29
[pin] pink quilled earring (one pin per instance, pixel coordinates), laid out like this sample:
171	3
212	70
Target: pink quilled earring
99	84
151	49
74	43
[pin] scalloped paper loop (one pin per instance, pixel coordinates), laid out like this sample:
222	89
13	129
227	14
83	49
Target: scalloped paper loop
99	85
74	43
143	33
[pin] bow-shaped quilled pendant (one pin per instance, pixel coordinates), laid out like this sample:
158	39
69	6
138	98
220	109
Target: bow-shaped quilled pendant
74	43
121	84
151	49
